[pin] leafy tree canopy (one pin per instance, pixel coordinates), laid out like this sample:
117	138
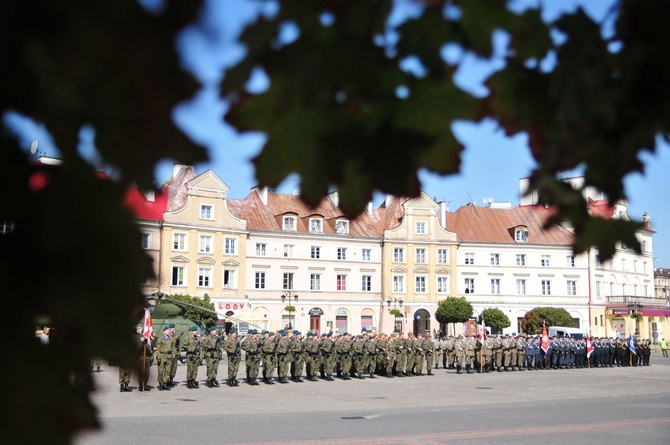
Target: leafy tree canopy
495	318
195	308
551	316
341	109
453	310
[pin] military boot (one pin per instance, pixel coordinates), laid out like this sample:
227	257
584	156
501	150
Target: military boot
372	375
121	388
125	387
458	369
468	369
195	384
188	384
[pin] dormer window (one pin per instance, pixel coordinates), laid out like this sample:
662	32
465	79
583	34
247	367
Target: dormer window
289	223
521	235
206	211
316	225
342	226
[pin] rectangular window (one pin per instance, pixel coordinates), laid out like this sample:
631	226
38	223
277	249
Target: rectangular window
545	261
442	256
521	236
289	223
469	258
288	281
398	255
178	275
598	291
420	284
341	282
398	284
205	211
315	252
520	287
623	289
288	250
572	288
420	255
204	276
342	253
342	227
366	255
571	261
420	228
366	283
316	225
442	285
495	259
521	259
634	265
495	286
230	246
205	244
145	241
546	287
315	281
259	280
179	241
611	289
261	249
229	279
469	285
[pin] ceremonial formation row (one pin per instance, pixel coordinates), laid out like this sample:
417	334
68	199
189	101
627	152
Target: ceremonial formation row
357	356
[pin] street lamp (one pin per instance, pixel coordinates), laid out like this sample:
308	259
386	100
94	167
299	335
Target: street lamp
397	302
634	308
288	295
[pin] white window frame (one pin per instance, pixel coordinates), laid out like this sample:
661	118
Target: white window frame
288	250
546	287
420	228
495	259
315	282
521	235
420	255
571	286
521	260
261	249
469	286
230	246
598	289
146	240
288	282
207	212
341	283
289	223
520	286
398	254
205	244
205	277
366	283
442	285
545	260
420	284
495	286
469	259
442	256
229	275
571	261
366	255
316	225
398	284
342	226
179	241
260	281
315	252
342	253
180	279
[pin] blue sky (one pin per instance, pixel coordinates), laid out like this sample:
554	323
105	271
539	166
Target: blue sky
492	163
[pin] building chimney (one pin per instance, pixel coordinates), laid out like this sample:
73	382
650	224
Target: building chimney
334	197
262	193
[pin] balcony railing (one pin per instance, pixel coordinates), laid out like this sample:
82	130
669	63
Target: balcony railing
631	299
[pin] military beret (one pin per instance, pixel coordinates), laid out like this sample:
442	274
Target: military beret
359	336
323	335
329	334
271	334
193	328
251	331
232	330
346	333
171	325
166	327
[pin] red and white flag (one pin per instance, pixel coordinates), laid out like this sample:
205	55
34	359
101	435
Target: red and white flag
544	343
482	332
589	346
147	326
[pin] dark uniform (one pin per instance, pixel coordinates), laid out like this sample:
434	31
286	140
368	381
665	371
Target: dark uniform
234	352
252	356
192	348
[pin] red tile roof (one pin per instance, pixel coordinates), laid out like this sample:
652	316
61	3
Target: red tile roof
489	225
145	209
269	217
